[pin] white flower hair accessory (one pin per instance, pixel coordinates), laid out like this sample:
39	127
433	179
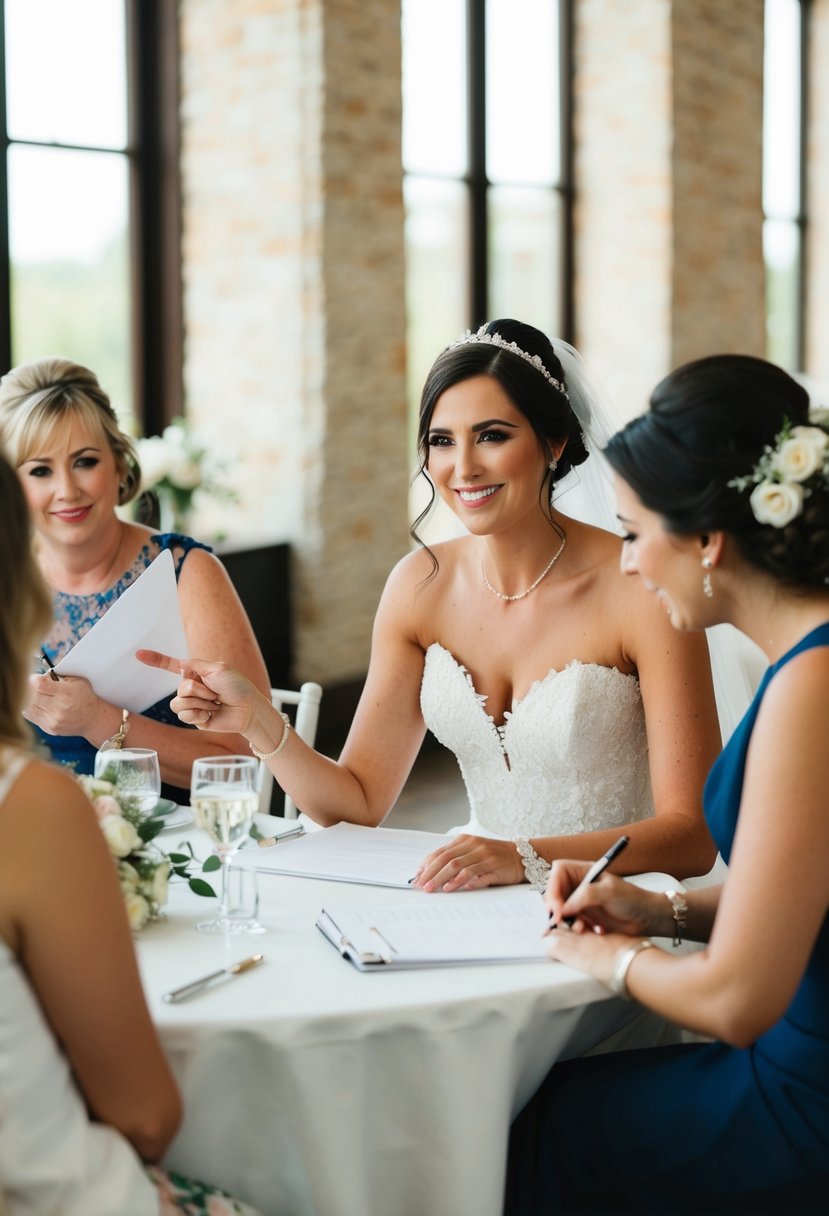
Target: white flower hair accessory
788	472
486	339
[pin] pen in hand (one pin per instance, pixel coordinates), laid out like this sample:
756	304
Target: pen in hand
596	870
54	675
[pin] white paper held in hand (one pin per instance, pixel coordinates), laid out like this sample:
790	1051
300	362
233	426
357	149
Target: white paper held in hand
146	616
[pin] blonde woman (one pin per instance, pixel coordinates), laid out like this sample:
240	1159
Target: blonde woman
75	465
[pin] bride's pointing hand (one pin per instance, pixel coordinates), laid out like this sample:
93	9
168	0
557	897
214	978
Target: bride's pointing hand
208	693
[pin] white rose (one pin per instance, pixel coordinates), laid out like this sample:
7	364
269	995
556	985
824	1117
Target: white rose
802	453
175	435
819	416
106	805
776	503
138	910
155	888
185	474
120	835
156	458
95	786
128	877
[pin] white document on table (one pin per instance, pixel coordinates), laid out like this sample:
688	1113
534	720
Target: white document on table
439	931
347	852
146	616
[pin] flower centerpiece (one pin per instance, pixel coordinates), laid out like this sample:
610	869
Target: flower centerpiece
788	471
144	869
175	466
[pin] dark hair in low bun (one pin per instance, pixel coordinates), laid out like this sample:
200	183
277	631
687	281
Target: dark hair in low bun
710	422
545	407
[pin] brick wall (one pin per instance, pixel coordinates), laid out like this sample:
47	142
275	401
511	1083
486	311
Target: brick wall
293	281
668	104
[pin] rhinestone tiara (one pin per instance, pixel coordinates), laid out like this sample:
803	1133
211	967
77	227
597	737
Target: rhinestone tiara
481	336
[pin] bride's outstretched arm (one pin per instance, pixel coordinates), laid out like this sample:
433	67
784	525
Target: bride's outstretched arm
385	735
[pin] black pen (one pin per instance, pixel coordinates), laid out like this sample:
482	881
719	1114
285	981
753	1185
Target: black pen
49	664
596	870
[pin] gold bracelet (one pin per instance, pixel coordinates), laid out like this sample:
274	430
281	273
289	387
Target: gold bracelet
679	907
117	740
286	730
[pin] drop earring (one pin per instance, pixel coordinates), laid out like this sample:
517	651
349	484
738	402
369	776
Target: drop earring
553	465
707	589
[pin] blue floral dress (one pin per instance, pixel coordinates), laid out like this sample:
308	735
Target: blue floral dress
74	615
700	1127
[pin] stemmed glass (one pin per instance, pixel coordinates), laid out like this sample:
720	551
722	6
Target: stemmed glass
224	798
135	771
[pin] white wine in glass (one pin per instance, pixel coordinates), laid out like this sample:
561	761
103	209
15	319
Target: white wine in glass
224	799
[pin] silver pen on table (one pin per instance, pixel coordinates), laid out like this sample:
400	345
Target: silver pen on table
266	842
196	986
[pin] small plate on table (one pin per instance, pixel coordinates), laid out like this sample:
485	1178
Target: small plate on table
171	814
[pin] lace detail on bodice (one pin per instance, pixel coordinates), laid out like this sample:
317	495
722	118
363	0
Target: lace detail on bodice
570	757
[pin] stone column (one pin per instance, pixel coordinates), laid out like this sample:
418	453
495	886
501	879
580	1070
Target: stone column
668	161
294	303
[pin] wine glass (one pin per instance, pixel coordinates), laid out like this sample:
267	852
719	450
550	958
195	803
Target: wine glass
224	798
134	770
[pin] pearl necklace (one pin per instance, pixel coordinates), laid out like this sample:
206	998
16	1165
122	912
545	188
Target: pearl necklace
522	594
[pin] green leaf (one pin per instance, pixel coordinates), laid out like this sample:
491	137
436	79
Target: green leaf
148	829
254	833
180	859
212	863
200	887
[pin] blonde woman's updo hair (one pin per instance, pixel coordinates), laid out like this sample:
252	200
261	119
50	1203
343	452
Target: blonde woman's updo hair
25	605
36	398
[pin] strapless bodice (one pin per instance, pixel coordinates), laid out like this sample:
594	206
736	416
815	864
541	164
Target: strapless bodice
570	757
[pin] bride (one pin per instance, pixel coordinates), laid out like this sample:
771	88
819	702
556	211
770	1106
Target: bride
572	706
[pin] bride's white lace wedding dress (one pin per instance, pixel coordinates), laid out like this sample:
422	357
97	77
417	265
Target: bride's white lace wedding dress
570	757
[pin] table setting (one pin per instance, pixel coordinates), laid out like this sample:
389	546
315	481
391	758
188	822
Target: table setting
313	1088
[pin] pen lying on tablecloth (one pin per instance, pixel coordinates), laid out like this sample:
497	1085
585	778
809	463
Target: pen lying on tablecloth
196	986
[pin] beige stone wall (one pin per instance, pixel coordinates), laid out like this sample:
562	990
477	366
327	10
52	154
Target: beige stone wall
293	278
668	129
718	276
623	196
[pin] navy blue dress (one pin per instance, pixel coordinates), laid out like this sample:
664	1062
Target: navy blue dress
74	615
699	1128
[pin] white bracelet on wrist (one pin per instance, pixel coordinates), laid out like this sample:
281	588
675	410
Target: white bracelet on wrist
618	982
536	869
286	730
679	908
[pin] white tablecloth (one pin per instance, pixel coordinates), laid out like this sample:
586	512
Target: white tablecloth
312	1089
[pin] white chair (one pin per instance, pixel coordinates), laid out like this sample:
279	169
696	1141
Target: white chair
307	701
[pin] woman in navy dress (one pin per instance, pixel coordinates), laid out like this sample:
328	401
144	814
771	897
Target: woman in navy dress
723	490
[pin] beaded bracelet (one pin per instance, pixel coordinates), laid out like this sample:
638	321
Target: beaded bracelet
618	982
286	730
679	906
536	869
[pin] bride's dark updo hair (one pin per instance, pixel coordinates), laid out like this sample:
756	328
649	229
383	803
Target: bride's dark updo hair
709	423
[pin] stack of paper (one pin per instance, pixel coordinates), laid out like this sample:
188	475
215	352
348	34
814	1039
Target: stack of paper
440	931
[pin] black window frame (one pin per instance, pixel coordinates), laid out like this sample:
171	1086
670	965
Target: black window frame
155	211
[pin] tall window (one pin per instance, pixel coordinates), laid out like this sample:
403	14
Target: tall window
485	155
783	179
86	238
